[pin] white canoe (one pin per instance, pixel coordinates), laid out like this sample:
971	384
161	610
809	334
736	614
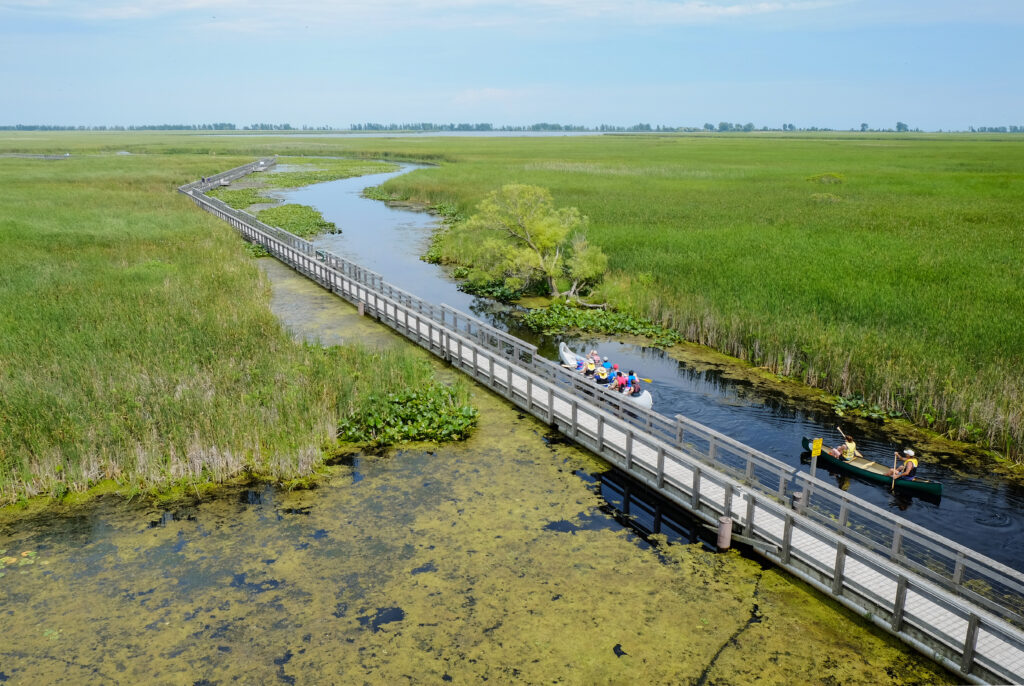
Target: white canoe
569	358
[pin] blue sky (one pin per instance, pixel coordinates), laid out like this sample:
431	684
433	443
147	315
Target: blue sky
934	64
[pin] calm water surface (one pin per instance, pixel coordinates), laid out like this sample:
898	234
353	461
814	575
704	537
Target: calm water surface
983	512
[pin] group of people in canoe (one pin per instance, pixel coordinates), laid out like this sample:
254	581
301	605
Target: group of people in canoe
607	373
848	452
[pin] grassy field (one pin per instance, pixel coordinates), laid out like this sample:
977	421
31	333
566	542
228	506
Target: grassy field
886	267
136	341
881	265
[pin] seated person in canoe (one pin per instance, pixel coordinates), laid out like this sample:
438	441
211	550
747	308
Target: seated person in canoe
847	451
907	470
634	383
620	381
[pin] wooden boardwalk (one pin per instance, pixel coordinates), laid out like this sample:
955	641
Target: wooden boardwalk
951	604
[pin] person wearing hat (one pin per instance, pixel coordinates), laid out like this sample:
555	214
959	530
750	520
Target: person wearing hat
909	467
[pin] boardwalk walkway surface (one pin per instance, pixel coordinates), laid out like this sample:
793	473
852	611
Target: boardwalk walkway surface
950	603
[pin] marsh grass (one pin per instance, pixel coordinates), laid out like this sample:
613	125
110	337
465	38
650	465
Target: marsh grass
301	220
902	283
320	170
239	198
136	341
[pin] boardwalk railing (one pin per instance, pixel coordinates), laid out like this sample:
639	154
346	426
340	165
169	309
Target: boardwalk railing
950	603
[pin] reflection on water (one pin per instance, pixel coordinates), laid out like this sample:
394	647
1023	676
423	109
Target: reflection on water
390	240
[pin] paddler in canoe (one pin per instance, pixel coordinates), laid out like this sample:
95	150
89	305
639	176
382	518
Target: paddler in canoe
908	470
846	452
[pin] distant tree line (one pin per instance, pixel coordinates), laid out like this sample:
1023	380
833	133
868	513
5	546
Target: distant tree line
219	126
721	127
998	129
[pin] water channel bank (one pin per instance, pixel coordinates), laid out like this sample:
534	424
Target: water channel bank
490	559
980	508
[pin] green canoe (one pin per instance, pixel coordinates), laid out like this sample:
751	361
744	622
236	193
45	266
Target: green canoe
872	471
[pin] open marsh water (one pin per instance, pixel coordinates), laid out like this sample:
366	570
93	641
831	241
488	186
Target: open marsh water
493	559
977	509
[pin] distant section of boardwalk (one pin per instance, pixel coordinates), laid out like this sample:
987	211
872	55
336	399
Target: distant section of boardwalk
950	603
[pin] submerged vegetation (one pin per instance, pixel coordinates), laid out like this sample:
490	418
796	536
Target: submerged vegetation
136	341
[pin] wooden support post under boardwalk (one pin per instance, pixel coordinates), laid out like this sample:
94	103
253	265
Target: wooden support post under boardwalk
724	532
361	309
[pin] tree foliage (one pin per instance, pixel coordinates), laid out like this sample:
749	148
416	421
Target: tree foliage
519	238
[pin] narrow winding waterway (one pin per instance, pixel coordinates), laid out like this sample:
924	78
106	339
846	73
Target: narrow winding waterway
979	510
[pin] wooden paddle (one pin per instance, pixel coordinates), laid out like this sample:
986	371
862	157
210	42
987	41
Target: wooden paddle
895	456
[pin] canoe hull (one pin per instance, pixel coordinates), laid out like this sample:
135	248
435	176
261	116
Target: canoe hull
569	358
875	472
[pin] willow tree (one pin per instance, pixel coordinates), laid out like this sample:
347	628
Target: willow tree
519	237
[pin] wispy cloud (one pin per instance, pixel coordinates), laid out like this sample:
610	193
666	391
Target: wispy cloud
261	13
269	16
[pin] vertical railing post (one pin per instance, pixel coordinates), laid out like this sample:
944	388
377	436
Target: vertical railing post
661	467
958	568
748	529
787	539
901	601
837	574
695	490
897	541
969	643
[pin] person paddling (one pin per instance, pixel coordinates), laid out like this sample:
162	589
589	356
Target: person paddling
908	470
848	451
